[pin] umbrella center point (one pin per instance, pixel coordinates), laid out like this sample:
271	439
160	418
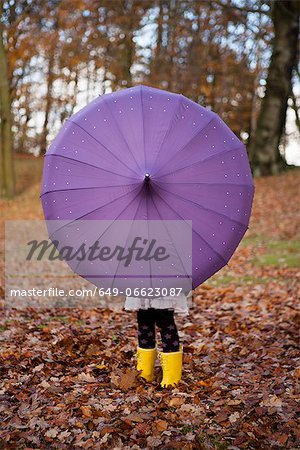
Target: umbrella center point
147	177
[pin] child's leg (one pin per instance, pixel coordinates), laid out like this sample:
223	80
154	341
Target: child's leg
168	330
146	328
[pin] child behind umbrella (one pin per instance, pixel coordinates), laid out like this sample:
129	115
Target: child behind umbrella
159	311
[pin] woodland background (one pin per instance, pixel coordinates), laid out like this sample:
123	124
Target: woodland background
237	57
67	377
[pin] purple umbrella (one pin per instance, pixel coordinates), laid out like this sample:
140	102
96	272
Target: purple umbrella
146	154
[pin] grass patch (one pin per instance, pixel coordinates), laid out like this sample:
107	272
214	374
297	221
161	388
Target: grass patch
279	253
227	280
63	319
253	241
220	280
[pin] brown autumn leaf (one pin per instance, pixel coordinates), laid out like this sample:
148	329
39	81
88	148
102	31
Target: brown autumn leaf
86	377
52	433
272	401
93	350
297	372
135	417
234	417
161	425
221	417
281	438
241	346
115	379
86	411
176	401
127	379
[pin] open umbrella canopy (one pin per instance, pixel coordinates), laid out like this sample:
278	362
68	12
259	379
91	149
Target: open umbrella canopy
144	154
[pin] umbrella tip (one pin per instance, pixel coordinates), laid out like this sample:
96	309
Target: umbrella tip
147	177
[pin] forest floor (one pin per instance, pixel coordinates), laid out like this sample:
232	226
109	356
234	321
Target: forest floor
68	378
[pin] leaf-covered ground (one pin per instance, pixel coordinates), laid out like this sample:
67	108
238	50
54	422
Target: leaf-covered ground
68	378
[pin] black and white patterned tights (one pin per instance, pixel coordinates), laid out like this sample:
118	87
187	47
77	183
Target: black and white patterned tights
164	319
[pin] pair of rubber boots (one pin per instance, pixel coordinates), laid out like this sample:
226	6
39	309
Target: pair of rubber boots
171	365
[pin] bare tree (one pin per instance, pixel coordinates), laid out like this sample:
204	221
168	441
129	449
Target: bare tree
48	101
264	152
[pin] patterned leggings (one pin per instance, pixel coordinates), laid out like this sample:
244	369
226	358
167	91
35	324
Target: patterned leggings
164	319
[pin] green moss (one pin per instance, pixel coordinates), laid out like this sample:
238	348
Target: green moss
211	442
79	322
41	326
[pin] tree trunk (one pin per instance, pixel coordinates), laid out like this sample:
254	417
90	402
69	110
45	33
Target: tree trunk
7	165
49	100
156	54
264	152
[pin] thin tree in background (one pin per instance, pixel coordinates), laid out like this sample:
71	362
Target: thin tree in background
199	50
50	78
264	152
62	54
7	166
121	21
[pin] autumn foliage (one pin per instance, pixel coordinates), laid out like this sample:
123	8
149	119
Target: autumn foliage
68	377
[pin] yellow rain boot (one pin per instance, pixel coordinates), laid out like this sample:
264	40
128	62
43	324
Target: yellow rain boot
172	367
145	362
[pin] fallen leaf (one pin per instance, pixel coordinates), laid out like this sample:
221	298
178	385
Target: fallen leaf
161	425
86	411
127	380
272	401
234	417
52	432
86	377
176	401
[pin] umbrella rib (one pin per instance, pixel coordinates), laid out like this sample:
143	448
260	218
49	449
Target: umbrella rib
187	143
169	127
215	251
116	218
150	265
207	184
87	164
143	122
201	206
202	161
148	241
86	188
118	159
121	134
108	203
118	198
127	236
169	235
